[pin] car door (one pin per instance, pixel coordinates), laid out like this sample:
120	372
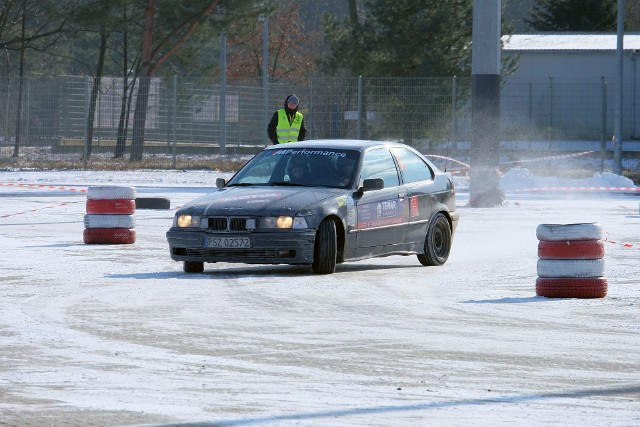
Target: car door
418	179
381	215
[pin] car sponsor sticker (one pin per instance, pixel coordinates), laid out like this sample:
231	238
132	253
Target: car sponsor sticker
414	211
386	212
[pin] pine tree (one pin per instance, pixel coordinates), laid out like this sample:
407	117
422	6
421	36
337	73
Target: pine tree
574	15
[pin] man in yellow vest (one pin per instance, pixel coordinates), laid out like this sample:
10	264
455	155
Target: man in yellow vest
287	124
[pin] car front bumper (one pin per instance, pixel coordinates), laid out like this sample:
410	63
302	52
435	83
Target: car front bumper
285	247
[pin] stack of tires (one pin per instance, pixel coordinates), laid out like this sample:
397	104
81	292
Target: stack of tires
570	261
110	215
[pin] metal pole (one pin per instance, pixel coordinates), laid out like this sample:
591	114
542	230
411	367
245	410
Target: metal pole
484	185
454	102
549	134
86	116
174	116
360	112
265	74
603	125
634	105
223	92
617	149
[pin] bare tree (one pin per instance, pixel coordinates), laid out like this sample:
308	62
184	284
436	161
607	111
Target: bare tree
180	22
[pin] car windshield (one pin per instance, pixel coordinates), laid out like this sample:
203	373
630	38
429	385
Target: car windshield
310	167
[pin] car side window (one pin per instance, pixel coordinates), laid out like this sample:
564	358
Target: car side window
412	167
379	164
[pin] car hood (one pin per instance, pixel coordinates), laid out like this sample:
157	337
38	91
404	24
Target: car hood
260	200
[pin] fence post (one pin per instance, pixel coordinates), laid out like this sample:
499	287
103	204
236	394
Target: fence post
174	115
360	112
603	124
86	119
550	110
454	102
530	103
310	128
223	93
27	108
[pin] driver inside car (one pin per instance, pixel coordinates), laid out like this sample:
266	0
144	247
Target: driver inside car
298	170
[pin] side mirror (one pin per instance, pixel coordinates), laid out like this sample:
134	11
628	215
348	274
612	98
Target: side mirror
221	182
372	184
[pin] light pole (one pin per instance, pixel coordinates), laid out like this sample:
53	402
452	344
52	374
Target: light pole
617	148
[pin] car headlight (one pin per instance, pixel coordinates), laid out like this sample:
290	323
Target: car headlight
283	222
186	221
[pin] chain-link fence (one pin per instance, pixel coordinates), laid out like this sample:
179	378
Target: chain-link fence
194	122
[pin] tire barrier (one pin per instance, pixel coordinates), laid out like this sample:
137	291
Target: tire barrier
576	249
109	235
110	215
570	261
111	206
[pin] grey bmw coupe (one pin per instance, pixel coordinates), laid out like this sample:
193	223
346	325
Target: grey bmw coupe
321	203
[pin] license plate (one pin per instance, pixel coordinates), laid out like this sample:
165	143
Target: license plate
227	242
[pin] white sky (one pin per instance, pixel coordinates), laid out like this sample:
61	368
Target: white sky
119	335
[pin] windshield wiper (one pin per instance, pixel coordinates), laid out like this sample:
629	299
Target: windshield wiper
288	184
244	184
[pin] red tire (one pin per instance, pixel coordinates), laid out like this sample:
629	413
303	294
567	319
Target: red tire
571	249
111	206
109	236
571	287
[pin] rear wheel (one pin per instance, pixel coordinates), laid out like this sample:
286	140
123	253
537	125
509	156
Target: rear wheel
326	248
437	243
193	267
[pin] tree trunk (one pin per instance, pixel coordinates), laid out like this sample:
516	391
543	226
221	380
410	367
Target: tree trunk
123	122
142	100
97	80
140	118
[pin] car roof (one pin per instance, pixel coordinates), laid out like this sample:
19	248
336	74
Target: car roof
345	144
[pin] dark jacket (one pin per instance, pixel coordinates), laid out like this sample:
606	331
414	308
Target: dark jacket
271	128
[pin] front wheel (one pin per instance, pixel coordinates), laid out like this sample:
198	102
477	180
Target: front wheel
193	267
325	249
437	243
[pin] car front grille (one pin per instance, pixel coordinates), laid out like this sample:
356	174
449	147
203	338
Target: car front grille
222	223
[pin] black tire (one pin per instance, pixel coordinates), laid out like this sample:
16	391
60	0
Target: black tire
193	266
152	203
326	248
437	243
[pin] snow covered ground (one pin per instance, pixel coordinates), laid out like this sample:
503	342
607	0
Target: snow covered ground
118	335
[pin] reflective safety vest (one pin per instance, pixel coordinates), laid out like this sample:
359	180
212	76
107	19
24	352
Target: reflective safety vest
288	132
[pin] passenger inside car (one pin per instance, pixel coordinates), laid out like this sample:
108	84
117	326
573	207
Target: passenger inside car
343	171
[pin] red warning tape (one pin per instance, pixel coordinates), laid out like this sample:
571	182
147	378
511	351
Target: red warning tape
626	245
520	190
39	209
556	157
40	186
448	158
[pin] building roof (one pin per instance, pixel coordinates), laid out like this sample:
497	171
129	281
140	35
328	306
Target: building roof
571	41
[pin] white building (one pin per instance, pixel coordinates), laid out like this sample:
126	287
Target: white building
565	85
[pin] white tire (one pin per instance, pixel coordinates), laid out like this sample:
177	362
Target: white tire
109	221
558	232
108	192
570	267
